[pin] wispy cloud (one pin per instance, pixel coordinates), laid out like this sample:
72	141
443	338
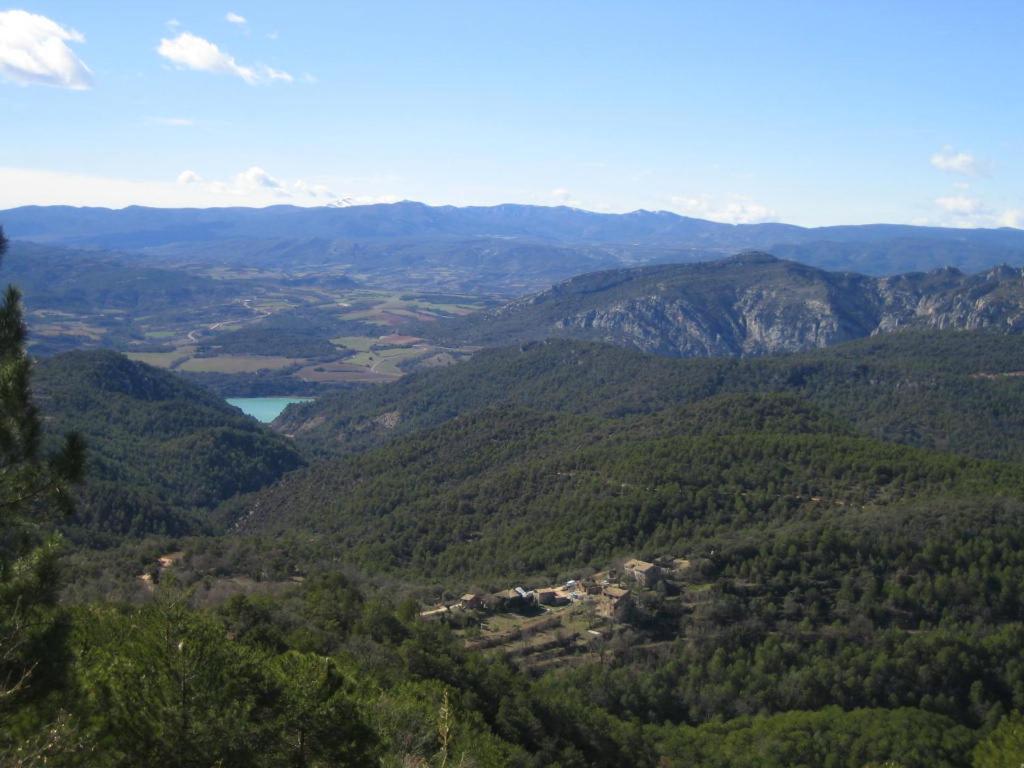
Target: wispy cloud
255	182
193	52
951	161
252	187
34	51
1012	218
563	196
234	18
189	177
961	205
736	210
275	74
189	51
966	212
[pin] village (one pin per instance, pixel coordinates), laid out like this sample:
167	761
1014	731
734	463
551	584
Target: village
563	623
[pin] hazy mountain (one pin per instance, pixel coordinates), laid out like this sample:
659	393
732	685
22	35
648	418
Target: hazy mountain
376	236
71	280
749	304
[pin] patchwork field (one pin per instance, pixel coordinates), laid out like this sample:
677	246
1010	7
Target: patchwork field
313	329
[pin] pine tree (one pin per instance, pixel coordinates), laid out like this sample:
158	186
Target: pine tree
33	485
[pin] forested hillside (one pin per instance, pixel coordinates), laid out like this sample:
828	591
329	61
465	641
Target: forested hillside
161	450
513	492
945	390
860	590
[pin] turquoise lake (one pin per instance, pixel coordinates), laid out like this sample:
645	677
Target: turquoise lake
265	409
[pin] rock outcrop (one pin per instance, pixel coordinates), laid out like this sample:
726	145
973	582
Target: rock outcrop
752	304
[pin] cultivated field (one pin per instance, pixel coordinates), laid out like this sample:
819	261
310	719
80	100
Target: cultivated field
313	328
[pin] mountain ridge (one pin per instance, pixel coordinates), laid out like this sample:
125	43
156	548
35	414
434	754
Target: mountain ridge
506	219
644	235
750	304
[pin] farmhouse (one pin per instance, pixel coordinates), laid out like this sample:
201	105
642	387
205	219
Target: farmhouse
551	597
510	599
645	574
617	601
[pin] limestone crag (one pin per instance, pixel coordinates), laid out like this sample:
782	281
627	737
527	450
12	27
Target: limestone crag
755	304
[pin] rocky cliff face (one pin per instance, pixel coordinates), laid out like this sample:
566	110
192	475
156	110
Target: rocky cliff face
755	304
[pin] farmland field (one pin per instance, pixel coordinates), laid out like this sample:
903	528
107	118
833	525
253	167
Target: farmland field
316	330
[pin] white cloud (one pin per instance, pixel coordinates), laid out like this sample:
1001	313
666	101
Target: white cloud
256	178
737	210
1012	218
275	74
173	23
234	18
563	196
255	183
252	187
189	177
193	52
951	161
959	204
301	187
34	51
966	212
963	212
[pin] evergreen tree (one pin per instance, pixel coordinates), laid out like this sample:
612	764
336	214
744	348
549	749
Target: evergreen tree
1004	747
32	484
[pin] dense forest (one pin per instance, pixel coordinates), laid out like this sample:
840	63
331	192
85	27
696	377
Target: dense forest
162	452
852	591
947	390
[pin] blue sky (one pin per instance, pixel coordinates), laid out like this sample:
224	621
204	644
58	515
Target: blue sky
806	112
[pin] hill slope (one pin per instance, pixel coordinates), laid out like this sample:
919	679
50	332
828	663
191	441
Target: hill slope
750	304
937	389
161	450
507	491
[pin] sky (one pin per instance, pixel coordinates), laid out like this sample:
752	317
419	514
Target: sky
812	113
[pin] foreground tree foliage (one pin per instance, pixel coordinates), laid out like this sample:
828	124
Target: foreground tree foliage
166	686
33	487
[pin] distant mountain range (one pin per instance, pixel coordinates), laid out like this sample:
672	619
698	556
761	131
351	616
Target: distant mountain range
749	304
507	247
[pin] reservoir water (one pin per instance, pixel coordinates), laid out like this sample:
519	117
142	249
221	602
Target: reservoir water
264	409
